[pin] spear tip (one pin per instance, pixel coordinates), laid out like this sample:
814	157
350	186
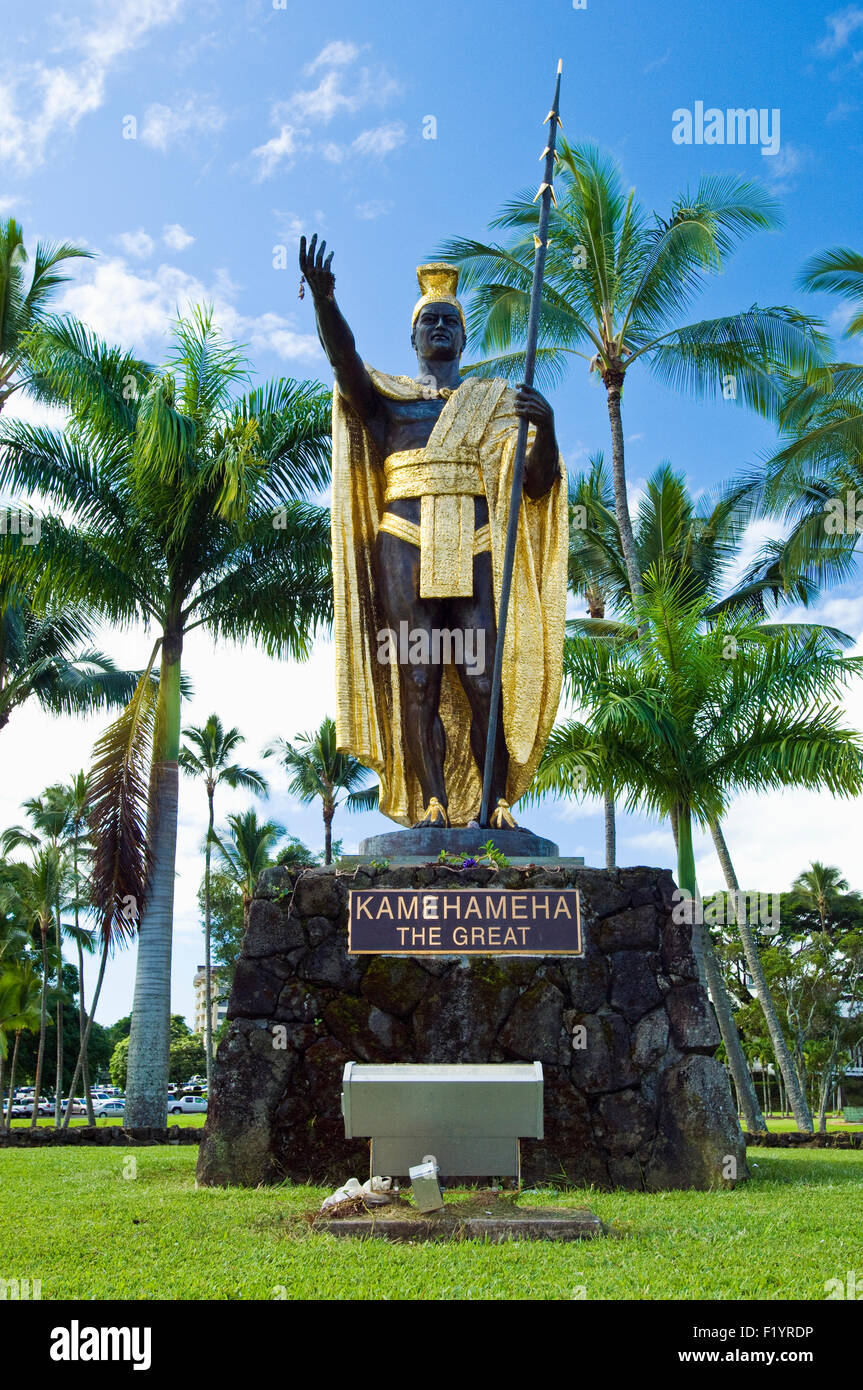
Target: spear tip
559	66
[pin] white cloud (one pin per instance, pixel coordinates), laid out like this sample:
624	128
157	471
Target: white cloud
176	237
783	168
278	150
10	203
137	244
381	140
342	90
373	209
40	103
137	309
842	25
171	125
841	111
339	53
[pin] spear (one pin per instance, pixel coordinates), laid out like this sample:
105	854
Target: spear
540	240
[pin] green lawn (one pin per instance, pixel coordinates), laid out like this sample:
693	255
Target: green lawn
76	1120
90	1223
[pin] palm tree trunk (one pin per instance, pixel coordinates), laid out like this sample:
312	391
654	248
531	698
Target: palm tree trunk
150	1038
58	1096
708	964
208	973
82	1066
86	1042
610	831
329	812
43	1024
12	1067
796	1095
82	1007
614	385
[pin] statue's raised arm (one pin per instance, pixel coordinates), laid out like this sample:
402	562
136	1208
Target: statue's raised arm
336	337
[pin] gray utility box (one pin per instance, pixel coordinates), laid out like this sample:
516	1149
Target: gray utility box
469	1115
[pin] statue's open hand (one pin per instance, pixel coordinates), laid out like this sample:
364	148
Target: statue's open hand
319	278
534	407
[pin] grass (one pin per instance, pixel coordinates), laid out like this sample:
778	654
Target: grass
129	1223
47	1121
780	1125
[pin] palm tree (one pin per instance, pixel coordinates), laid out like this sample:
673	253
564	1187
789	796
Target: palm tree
36	890
818	888
182	508
245	850
815	478
47	814
316	768
20	991
690	714
23	304
618	285
699	545
207	759
45	656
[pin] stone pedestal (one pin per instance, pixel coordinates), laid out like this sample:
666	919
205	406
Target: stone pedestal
634	1096
427	843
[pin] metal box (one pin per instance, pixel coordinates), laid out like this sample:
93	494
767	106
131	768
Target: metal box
469	1115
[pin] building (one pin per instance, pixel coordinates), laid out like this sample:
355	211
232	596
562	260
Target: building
219	1006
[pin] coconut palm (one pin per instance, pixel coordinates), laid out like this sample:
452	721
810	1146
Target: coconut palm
618	285
818	888
20	992
692	714
45	656
245	849
205	756
24	297
35	891
815	478
180	504
699	545
47	814
316	768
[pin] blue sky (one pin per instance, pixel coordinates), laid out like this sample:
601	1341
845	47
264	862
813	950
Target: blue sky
253	121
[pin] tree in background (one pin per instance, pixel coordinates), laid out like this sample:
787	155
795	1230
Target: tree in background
316	769
689	715
45	656
24	298
820	889
245	849
20	996
618	285
206	756
178	504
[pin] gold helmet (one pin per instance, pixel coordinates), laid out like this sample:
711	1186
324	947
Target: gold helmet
438	283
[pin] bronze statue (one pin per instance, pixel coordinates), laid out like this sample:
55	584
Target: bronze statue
421	473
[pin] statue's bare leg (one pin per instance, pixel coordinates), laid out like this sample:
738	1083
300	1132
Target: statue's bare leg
474	616
397	575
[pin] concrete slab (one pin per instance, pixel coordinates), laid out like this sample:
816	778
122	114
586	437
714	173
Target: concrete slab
537	1223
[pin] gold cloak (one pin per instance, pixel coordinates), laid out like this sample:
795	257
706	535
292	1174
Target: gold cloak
478	422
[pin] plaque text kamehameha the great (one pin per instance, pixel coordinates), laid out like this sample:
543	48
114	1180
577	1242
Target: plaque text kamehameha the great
464	921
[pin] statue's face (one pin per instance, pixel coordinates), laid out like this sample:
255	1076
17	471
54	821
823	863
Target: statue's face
438	335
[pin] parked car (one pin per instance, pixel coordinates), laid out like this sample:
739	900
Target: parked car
23	1109
77	1108
114	1105
187	1105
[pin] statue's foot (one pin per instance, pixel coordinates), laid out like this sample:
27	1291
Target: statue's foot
435	814
501	816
